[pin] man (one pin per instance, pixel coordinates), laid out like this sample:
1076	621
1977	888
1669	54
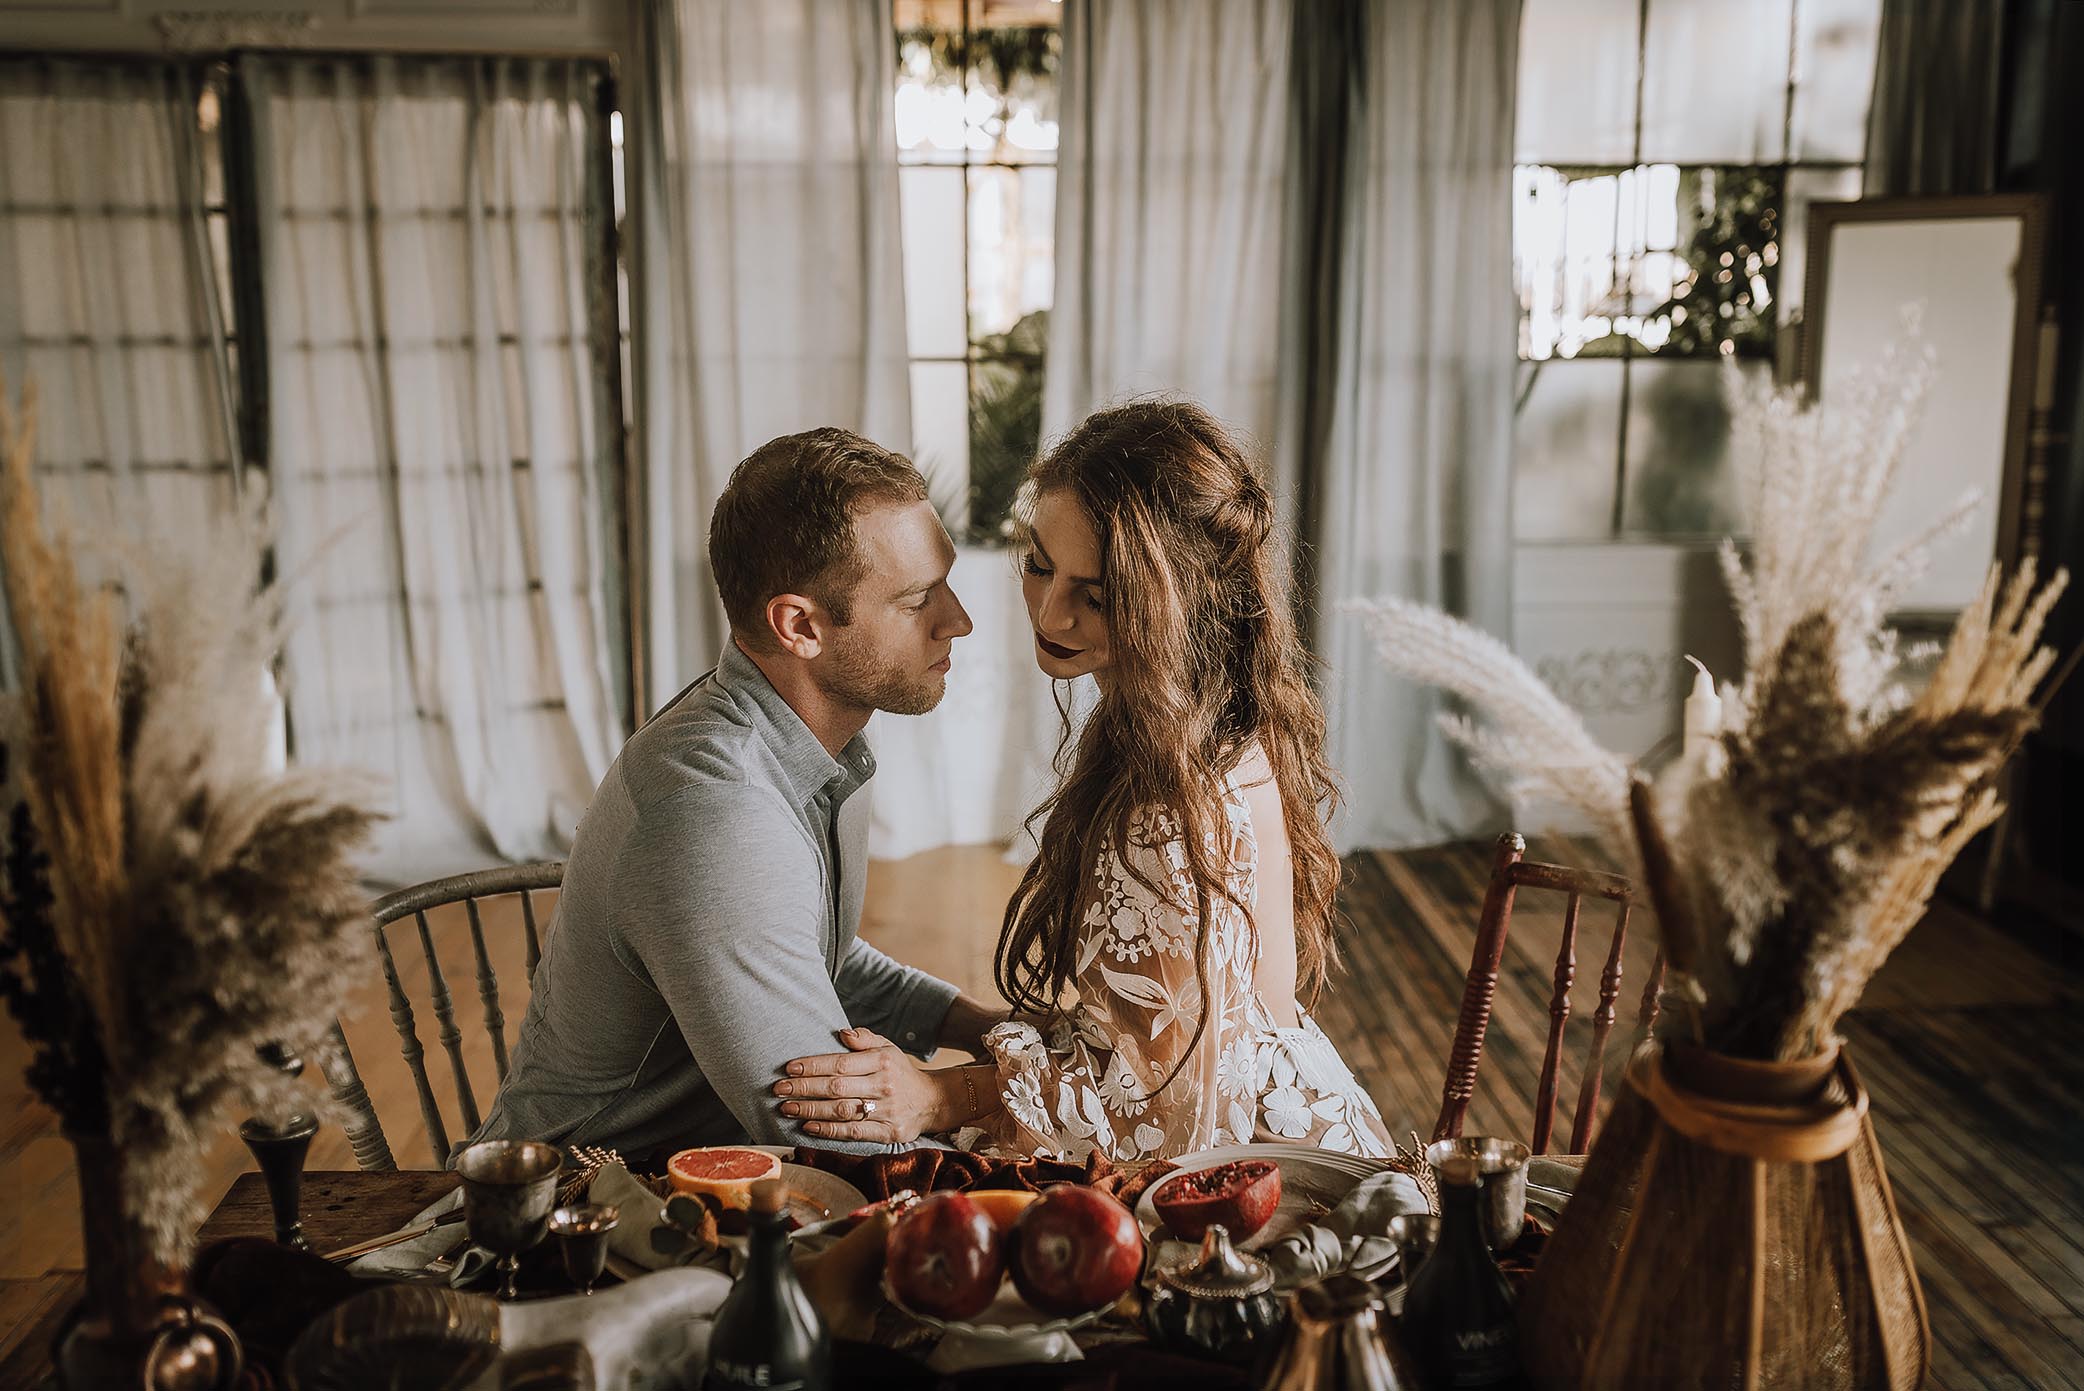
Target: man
706	932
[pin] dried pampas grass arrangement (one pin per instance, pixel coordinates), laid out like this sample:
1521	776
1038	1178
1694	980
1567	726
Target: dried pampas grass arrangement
174	901
1793	859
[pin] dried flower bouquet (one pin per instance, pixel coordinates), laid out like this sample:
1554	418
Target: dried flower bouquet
1789	862
173	901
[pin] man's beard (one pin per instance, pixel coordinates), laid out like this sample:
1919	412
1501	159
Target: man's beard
854	678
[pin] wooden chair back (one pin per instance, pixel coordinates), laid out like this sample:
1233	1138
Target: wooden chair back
365	1132
1511	871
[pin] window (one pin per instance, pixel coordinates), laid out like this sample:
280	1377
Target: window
103	229
976	116
1667	153
146	297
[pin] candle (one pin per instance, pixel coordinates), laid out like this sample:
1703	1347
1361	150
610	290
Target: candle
277	733
1703	714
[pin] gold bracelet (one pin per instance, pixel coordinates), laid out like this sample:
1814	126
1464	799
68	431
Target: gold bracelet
969	1088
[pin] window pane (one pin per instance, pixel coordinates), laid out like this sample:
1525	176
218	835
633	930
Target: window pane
1715	294
1564	226
1012	216
1715	81
1010	109
1679	261
1834	77
1567	437
941	435
1577	82
1681	477
929	101
1005	431
931	205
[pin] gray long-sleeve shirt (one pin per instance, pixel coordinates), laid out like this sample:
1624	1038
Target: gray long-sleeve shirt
706	935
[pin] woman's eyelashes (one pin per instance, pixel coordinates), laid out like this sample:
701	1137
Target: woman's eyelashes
1093	599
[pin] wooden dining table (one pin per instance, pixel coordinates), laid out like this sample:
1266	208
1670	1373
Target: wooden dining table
338	1209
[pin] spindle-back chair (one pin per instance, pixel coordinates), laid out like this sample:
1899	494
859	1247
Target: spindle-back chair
365	1131
1511	871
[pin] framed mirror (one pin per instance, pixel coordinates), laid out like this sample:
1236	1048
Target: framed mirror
1973	267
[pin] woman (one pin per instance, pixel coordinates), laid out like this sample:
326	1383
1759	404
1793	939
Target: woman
1184	883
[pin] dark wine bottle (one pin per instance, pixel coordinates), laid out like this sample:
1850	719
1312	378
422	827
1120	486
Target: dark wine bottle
768	1334
1458	1310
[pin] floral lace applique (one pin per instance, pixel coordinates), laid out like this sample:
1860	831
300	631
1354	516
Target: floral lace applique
1143	1065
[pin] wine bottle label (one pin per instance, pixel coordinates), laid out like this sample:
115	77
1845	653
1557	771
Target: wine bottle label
725	1373
1483	1356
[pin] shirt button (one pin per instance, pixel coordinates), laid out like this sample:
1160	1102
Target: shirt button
911	1037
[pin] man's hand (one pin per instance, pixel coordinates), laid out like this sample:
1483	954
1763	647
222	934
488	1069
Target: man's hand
874	1092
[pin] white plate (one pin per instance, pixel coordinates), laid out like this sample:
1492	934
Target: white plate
1312	1181
1007	1318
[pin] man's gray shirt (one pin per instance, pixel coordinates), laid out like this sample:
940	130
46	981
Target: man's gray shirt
706	935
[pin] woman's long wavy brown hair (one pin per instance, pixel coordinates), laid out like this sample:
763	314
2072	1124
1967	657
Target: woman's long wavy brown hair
1205	661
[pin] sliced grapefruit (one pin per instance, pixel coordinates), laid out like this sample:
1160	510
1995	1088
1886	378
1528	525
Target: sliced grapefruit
1003	1206
725	1172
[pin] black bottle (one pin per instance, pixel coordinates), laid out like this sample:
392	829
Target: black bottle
768	1334
1458	1310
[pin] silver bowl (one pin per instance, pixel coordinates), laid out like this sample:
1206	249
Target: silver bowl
1504	1167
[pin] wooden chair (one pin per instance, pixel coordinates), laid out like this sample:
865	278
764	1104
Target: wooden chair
364	1130
1511	871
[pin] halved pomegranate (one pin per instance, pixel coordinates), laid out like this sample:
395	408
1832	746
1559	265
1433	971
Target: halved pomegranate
1240	1195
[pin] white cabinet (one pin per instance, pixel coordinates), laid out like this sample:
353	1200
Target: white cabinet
1608	627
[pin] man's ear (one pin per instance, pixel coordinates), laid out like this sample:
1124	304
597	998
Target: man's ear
796	623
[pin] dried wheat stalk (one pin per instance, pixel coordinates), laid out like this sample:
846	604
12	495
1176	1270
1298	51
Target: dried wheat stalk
206	903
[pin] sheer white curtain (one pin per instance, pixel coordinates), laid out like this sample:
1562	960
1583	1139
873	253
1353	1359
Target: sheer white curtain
437	438
1413	496
109	299
1172	187
770	293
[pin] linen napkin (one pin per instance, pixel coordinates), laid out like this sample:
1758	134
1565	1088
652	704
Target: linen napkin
642	1215
1355	1234
408	1259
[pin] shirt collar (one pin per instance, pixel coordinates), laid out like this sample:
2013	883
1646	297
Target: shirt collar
809	769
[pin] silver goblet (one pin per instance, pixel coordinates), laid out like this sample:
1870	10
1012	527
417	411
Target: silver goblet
1503	1164
509	1187
582	1232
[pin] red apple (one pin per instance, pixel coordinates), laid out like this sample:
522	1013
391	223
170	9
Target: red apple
944	1257
1241	1196
1075	1249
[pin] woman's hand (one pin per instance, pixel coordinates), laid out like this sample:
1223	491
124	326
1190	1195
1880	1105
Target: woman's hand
872	1092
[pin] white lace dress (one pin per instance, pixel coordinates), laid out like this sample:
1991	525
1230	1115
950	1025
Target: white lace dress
1089	1084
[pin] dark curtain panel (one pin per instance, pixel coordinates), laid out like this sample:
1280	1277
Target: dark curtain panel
1934	125
2042	153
